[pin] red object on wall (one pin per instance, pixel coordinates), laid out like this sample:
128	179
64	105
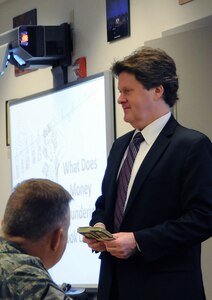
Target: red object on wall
79	67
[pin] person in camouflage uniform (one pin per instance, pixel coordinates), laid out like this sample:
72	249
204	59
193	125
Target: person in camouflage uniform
34	236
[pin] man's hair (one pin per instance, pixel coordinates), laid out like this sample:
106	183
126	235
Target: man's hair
152	67
35	208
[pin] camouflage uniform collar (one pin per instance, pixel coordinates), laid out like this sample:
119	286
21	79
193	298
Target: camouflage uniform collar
11	244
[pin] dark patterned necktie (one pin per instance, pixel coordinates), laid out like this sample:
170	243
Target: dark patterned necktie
124	178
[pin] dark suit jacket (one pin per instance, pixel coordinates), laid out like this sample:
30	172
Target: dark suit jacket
170	212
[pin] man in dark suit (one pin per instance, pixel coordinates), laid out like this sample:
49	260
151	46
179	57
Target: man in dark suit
167	211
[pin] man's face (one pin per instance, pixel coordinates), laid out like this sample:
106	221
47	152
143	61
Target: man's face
137	102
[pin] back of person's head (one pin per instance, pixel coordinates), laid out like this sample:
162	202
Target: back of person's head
35	208
152	67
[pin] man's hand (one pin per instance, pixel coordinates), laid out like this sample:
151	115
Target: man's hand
123	246
94	244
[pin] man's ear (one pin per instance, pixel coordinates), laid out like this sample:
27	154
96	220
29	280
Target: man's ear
56	238
159	90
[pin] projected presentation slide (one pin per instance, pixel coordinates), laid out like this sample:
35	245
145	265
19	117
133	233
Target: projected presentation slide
62	136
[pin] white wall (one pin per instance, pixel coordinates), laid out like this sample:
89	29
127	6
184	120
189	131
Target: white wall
149	18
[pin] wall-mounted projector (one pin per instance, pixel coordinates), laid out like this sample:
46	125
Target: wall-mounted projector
36	46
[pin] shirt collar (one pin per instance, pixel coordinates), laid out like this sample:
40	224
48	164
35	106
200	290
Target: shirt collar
151	132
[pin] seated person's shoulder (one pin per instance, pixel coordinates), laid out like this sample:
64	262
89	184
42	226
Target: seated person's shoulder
30	280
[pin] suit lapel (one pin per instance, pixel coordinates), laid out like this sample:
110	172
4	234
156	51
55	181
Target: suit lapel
151	159
119	149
